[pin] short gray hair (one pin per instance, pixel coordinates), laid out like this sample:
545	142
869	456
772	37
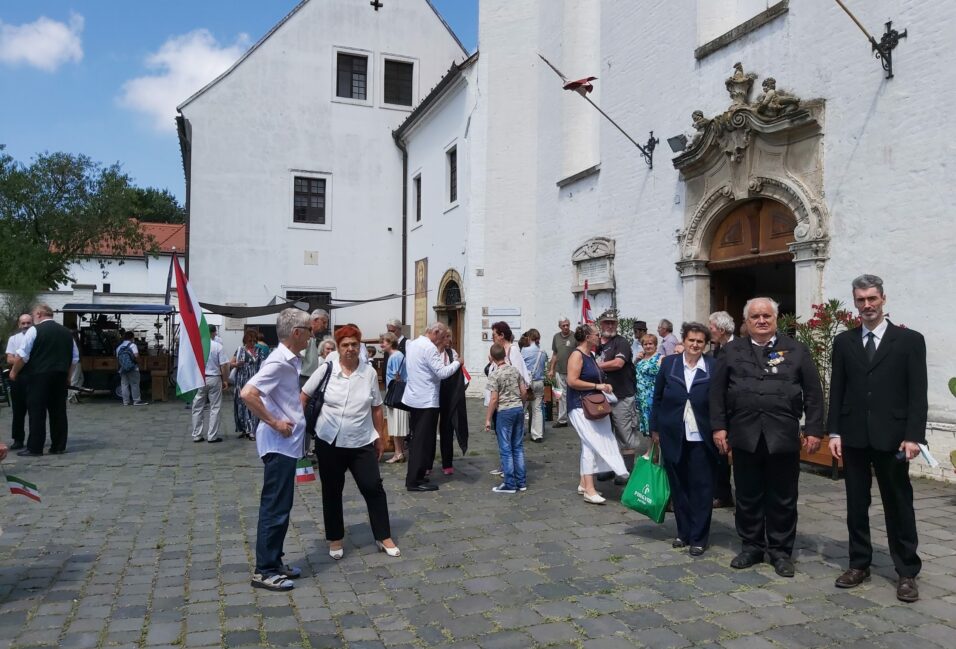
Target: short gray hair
666	324
43	309
868	281
723	321
394	322
771	301
564	318
320	313
288	320
437	328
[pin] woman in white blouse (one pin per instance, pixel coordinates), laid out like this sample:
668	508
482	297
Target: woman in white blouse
349	437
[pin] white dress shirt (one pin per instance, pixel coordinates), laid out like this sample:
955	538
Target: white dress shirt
426	369
216	359
346	417
691	429
15	341
878	333
26	345
278	382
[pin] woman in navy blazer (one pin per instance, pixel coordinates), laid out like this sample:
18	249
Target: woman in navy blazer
684	433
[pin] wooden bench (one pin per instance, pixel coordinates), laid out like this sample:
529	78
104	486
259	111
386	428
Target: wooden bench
823	458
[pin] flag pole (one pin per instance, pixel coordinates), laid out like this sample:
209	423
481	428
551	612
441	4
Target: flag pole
169	278
598	109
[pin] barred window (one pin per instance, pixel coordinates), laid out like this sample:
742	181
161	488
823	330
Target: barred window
309	200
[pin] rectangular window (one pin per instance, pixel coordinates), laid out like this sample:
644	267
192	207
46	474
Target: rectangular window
309	206
399	77
452	174
316	299
352	76
106	288
418	198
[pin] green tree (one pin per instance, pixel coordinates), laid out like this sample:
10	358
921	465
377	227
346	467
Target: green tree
156	206
58	209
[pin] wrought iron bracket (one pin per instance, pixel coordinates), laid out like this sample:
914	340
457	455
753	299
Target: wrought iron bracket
884	49
647	151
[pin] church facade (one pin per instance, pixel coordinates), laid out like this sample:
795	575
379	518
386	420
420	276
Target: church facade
776	157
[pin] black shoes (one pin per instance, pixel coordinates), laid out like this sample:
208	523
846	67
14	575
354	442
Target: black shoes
16	446
423	487
677	543
746	559
28	453
783	567
852	578
906	590
59	451
696	550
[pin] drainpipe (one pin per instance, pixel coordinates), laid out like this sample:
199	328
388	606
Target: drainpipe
404	150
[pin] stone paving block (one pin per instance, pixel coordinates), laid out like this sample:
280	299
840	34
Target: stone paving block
553	632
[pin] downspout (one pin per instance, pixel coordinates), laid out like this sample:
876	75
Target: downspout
404	150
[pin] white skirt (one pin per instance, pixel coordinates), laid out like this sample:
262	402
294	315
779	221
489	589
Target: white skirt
599	450
397	422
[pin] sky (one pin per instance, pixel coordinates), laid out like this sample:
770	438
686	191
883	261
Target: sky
103	77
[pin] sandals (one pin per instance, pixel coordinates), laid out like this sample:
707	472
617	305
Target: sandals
394	459
273	582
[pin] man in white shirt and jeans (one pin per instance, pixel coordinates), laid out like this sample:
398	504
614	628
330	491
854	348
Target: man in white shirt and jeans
426	369
272	395
209	396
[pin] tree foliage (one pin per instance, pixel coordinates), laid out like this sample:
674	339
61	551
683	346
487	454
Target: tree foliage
58	209
156	206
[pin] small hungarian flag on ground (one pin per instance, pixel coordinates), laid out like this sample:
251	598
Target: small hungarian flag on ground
304	471
19	486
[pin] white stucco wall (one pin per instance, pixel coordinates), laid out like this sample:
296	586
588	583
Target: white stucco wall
275	116
137	278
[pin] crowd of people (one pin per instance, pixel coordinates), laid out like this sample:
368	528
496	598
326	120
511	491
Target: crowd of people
707	400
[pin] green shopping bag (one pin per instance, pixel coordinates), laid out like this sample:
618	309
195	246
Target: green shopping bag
648	490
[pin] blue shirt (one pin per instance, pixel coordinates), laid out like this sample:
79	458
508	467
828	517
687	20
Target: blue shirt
534	360
395	365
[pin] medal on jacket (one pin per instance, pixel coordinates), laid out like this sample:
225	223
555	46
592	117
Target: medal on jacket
774	359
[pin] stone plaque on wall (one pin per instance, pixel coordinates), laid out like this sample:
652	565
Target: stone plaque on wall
421	296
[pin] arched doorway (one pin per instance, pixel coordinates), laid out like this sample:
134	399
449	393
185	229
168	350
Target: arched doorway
451	306
750	255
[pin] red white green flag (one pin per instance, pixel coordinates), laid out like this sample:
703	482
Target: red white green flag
193	339
20	487
304	471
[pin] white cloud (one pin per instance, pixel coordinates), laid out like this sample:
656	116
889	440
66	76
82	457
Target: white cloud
184	64
45	44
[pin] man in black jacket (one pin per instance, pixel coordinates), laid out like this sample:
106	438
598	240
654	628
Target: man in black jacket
761	387
877	420
44	363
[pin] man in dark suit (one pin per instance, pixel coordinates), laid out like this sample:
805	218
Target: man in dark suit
762	385
44	363
395	327
877	420
452	415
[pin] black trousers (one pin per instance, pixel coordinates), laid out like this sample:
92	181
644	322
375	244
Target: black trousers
692	492
766	515
449	420
362	463
722	488
896	492
46	393
18	406
422	425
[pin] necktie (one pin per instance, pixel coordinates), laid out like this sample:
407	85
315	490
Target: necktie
870	347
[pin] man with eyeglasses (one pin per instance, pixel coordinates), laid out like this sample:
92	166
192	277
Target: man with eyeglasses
18	402
762	385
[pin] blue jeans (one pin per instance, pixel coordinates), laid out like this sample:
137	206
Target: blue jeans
278	487
509	428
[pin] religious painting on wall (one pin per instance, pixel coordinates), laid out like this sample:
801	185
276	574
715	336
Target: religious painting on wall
421	296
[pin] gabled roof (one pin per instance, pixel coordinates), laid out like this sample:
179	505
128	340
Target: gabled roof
166	236
274	29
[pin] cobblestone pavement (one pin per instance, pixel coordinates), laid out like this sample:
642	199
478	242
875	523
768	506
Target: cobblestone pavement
144	539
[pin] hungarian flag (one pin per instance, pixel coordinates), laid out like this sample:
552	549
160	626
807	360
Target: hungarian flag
304	471
193	339
21	487
586	316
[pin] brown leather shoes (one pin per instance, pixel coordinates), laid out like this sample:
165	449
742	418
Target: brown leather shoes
906	590
852	578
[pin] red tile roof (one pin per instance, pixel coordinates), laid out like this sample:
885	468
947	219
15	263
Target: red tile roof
166	235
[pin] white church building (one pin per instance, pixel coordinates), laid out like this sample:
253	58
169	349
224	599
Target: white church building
499	192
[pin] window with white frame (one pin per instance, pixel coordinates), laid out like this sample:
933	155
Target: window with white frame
398	82
351	80
309	200
451	164
417	189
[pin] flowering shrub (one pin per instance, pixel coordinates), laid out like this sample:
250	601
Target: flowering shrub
817	333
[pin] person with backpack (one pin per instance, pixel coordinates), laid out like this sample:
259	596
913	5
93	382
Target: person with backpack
127	359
